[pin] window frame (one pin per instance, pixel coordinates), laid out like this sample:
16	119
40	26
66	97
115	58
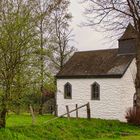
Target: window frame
65	94
92	91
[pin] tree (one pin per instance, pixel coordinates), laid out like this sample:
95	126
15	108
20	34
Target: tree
60	50
114	15
44	28
17	32
18	43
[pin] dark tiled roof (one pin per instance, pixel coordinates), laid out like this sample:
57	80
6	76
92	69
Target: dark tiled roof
129	33
98	63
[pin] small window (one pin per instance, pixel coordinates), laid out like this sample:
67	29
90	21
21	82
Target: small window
95	91
67	91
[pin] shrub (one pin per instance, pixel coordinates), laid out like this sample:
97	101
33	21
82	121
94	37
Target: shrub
133	116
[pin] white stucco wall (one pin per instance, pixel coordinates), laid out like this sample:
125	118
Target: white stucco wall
116	95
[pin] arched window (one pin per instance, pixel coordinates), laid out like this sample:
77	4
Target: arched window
95	91
67	91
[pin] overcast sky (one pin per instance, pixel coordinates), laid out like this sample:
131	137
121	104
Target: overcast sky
85	38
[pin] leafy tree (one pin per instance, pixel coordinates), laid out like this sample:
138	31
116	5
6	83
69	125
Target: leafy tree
19	40
44	28
17	32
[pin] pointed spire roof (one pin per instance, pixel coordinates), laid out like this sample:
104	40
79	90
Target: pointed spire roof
129	33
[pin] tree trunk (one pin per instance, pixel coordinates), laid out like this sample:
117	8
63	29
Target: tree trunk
137	81
18	109
3	107
3	118
41	109
41	67
41	102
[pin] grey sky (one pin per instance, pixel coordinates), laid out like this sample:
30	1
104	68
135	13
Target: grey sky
85	37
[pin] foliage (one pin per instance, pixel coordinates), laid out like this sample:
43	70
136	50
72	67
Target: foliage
133	116
19	127
50	84
32	96
22	59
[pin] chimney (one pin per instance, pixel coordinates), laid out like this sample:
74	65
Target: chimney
127	42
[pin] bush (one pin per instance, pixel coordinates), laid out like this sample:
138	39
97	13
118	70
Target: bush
133	116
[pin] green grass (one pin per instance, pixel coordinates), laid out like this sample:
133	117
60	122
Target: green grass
19	127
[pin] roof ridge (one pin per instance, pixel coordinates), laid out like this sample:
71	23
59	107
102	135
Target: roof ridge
97	50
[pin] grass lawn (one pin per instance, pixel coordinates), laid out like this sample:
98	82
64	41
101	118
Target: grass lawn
19	128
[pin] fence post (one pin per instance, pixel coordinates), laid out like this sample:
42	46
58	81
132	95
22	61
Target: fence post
88	111
32	114
77	111
67	108
56	110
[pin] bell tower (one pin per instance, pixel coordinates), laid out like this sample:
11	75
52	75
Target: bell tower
127	42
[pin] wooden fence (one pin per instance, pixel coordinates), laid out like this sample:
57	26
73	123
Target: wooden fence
76	110
87	105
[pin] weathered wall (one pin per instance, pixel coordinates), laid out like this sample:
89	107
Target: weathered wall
116	95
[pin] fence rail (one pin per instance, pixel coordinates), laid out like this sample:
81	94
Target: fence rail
87	105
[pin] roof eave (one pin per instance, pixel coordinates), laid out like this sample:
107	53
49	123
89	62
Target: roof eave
88	76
